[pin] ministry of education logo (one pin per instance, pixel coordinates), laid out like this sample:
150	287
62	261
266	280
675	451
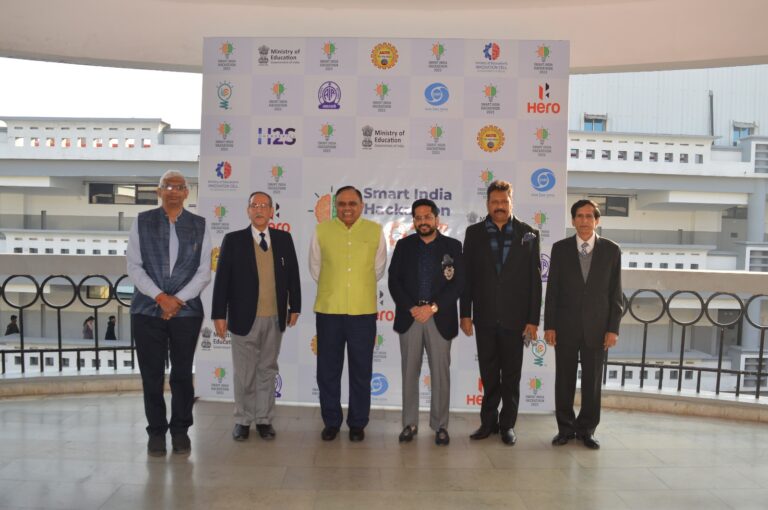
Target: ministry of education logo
490	138
329	95
367	134
263	55
384	55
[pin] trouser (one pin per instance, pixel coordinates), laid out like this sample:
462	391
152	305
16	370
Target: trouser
500	356
358	334
254	361
413	343
155	339
566	365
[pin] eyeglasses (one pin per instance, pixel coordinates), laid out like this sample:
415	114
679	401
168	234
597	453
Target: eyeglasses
174	187
259	206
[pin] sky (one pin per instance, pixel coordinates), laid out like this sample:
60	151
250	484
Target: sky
46	89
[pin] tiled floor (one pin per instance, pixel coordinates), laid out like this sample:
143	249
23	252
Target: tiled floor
88	452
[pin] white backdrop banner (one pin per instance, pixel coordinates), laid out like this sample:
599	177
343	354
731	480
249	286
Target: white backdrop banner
400	119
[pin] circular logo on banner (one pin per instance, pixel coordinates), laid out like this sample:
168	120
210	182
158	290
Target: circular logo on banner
490	138
384	55
436	94
329	95
543	179
379	384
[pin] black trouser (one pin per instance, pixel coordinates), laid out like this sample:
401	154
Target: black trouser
500	356
155	337
566	363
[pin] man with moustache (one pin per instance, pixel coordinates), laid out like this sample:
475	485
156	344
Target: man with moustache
169	263
347	255
256	293
426	277
582	312
502	300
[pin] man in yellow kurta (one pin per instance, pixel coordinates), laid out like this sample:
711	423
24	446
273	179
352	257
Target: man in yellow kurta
348	254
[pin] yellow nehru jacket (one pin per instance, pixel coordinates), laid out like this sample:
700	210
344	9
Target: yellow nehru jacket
347	281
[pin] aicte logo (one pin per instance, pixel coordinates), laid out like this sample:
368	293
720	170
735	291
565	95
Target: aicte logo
276	136
436	94
543	179
223	170
490	138
329	95
543	105
492	51
384	55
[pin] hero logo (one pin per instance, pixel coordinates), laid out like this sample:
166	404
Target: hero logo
476	400
277	136
543	105
277	225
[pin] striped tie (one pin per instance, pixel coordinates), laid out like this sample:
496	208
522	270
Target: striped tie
583	251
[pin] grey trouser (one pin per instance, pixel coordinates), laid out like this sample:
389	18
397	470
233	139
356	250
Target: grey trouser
413	342
254	359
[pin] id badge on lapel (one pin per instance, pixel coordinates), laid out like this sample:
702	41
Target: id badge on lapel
448	268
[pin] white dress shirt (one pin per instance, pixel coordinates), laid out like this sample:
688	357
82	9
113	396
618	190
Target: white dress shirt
257	235
590	243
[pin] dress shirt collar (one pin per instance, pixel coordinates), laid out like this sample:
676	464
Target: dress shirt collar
590	242
257	235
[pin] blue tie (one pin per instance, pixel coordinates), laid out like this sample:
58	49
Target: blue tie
263	242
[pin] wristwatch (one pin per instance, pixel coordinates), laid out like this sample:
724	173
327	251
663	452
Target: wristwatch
434	308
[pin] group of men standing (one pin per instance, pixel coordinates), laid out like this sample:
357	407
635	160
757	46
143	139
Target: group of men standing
495	276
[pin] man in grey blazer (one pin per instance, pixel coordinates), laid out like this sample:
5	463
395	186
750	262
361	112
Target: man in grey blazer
582	312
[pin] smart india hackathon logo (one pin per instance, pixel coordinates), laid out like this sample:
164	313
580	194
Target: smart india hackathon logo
329	48
224	92
543	52
220	212
438	50
382	90
278	88
219	374
224	130
486	177
277	172
379	384
534	384
436	132
226	49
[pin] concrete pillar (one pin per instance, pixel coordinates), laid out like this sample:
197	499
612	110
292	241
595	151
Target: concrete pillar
755	234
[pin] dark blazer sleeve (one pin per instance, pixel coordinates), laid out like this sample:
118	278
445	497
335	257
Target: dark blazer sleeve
470	251
534	310
292	275
222	280
617	298
395	277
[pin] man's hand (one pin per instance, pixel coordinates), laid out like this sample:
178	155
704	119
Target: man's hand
170	305
466	325
220	325
292	319
610	340
550	336
422	313
531	331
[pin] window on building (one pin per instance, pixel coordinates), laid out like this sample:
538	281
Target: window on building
80	251
130	143
33	250
49	362
65	143
98	143
689	374
699	159
97	252
111	363
694	266
648	265
110	193
605	154
34	142
633	264
81	364
622	155
668	157
657	375
19	141
638	156
645	374
81	142
741	130
613	374
683	158
663	265
146	143
64	251
34	361
113	252
574	153
95	364
590	153
595	122
653	156
50	142
18	249
65	362
628	374
612	206
49	250
127	363
678	265
17	360
114	143
673	375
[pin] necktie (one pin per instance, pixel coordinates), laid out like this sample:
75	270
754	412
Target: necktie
583	251
263	242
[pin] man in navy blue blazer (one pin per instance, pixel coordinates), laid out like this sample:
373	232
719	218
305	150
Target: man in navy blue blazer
256	292
426	277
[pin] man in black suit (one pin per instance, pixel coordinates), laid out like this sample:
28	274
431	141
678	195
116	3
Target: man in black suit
502	298
256	292
582	312
426	276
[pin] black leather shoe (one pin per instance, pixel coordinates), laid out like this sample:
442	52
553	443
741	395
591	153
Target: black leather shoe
266	431
156	445
591	443
181	443
407	434
442	438
356	434
484	431
329	433
508	437
562	438
241	432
